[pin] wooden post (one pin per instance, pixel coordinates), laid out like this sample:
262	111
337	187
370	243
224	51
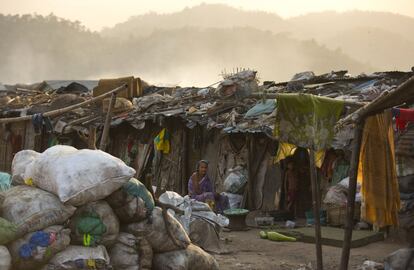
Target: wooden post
250	181
353	174
316	211
92	137
184	162
105	133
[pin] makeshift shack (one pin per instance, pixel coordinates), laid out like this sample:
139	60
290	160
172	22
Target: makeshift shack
230	125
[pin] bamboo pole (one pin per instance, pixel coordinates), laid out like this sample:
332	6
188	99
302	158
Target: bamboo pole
316	210
63	110
107	125
92	137
184	162
353	174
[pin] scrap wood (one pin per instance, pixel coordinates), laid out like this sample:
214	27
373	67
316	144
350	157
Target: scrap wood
64	110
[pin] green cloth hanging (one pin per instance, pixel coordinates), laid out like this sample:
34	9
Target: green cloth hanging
307	121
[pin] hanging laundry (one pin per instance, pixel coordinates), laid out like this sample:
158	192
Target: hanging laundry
306	120
38	121
377	172
162	141
402	117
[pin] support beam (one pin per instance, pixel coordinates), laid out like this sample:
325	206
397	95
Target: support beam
58	112
353	174
105	133
316	210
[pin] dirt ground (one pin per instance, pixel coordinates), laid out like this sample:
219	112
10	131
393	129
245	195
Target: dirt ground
247	251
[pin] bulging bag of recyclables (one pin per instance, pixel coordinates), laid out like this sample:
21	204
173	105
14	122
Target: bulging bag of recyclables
94	224
236	180
132	203
5	258
192	257
76	176
8	231
124	253
21	161
78	257
35	249
33	209
155	231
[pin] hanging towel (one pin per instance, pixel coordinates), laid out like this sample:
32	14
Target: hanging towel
402	117
162	141
306	120
379	186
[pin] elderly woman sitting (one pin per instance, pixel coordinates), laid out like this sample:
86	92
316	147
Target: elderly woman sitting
201	189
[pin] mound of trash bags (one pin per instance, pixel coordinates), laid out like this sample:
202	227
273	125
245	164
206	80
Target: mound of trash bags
82	209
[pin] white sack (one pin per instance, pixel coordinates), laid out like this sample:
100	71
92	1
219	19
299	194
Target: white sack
33	209
5	258
124	253
59	239
190	258
78	257
79	176
156	232
21	161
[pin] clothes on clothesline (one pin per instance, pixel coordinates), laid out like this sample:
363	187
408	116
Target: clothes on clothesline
402	117
377	172
307	121
162	141
38	121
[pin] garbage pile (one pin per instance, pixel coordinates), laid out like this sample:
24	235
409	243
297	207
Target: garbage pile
82	209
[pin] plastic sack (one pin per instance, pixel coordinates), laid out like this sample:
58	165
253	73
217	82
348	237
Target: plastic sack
145	253
171	198
192	257
94	224
35	249
235	200
8	231
78	176
124	253
33	209
205	235
336	196
400	259
5	258
78	257
235	181
260	108
20	163
156	232
133	202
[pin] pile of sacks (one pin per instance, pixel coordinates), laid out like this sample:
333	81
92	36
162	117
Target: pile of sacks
201	224
81	209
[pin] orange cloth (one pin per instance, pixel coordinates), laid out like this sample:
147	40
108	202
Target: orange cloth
377	172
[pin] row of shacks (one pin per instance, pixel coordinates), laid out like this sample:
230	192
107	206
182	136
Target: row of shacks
229	125
216	124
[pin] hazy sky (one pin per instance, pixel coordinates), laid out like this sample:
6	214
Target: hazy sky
96	14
